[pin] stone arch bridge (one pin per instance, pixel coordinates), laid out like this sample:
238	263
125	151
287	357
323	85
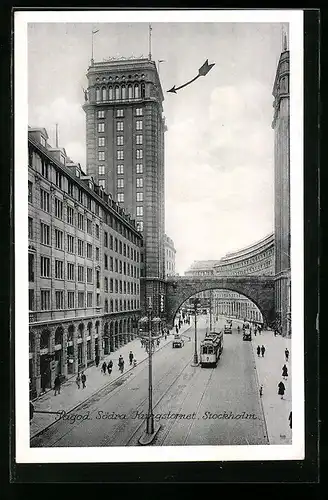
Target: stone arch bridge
259	289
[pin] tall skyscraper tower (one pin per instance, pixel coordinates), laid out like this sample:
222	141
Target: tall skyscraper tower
281	128
125	152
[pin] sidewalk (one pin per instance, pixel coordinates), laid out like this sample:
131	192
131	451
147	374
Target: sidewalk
269	372
70	396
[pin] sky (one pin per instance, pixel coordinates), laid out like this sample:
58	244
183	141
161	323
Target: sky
219	144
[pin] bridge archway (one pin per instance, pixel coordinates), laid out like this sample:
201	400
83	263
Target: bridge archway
258	289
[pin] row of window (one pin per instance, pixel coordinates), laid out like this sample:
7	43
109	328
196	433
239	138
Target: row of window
120	128
111	264
120	92
119	140
83	300
75	192
119	113
120	154
109	242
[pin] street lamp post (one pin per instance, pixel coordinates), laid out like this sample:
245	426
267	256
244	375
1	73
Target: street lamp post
151	428
210	310
195	302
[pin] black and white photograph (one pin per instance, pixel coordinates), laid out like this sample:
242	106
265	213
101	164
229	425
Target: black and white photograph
159	271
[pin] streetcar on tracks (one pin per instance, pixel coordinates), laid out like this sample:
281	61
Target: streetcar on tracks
211	349
247	331
177	341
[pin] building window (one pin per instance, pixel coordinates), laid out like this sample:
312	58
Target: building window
119	126
98	299
116	245
80	274
45	234
97	94
111	283
120	154
104	94
120	247
101	128
58	179
45	267
106	285
139	154
139	168
101	155
30	192
97	254
136	91
59	295
106	261
139	197
119	113
30	228
101	141
116	286
89	251
45	198
59	236
123	89
70	300
31	267
89	299
80	248
120	169
70	271
45	300
80	299
89	226
117	92
111	266
139	112
120	197
58	208
116	265
70	215
31	300
140	226
44	169
70	243
120	183
105	239
101	114
139	182
139	141
119	140
139	211
102	183
97	231
101	169
80	222
130	92
59	269
139	124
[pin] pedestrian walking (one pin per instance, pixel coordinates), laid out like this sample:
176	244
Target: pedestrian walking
103	367
258	350
83	379
121	363
78	380
97	359
261	391
286	354
281	389
110	366
290	419
262	351
57	385
131	357
284	372
177	328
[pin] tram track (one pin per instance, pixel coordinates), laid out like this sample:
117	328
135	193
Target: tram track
114	390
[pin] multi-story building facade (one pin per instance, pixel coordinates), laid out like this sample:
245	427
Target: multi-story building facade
281	126
256	259
170	253
83	267
125	153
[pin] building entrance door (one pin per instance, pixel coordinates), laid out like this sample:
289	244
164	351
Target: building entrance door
45	373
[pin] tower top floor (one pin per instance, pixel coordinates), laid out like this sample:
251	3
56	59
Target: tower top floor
118	76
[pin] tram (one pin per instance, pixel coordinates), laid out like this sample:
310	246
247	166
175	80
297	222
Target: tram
211	348
247	332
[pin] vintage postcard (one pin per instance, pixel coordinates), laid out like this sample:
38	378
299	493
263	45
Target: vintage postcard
159	272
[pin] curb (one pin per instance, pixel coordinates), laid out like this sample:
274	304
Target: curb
258	391
96	392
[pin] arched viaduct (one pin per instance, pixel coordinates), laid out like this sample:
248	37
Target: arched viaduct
259	289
